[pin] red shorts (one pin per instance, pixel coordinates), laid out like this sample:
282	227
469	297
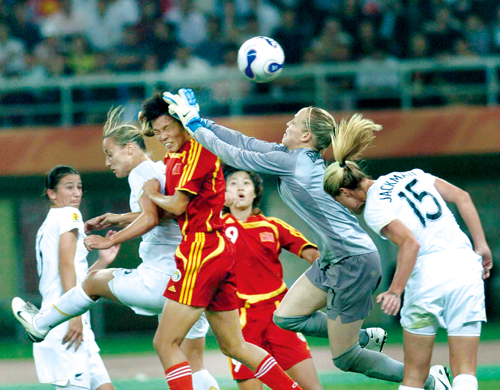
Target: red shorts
258	328
204	276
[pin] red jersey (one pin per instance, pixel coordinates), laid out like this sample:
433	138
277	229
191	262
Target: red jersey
196	170
258	243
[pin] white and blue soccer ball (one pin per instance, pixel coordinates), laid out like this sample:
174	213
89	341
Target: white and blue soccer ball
261	59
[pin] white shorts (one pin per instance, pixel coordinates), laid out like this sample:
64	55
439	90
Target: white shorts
142	290
471	329
56	365
445	290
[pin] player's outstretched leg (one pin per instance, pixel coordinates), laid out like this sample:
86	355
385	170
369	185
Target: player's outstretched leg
298	312
349	356
227	330
73	303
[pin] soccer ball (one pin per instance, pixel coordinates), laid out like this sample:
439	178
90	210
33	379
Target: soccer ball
261	59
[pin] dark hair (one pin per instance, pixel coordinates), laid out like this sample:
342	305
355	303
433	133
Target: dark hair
55	175
152	109
257	184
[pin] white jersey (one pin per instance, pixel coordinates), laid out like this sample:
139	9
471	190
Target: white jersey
412	198
57	222
158	246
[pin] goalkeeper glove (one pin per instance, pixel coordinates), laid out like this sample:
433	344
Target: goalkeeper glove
183	106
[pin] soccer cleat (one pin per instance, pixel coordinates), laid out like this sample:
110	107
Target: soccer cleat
441	378
376	339
25	313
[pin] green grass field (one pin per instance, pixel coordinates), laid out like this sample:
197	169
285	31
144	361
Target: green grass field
488	376
142	343
489	379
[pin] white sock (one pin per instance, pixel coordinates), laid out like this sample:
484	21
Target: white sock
465	382
202	380
72	304
401	387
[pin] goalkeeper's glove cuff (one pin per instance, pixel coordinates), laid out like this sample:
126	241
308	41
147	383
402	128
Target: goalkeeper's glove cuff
195	125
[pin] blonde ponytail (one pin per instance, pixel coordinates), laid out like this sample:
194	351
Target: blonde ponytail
122	132
350	140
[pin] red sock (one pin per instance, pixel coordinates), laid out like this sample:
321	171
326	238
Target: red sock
271	374
179	377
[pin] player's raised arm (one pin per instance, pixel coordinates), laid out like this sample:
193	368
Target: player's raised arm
269	158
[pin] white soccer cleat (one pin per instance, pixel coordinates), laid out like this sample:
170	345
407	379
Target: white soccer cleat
376	339
441	377
25	313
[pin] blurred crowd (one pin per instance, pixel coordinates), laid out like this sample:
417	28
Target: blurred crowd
46	38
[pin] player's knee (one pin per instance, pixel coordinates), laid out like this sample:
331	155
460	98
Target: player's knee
90	282
347	359
231	347
292	323
162	343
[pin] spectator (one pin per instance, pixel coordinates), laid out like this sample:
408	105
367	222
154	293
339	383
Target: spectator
150	13
394	28
478	35
185	64
131	55
350	16
331	37
38	10
419	47
163	42
290	36
212	48
107	21
268	16
190	23
35	71
443	32
420	80
12	52
220	91
250	29
81	59
463	49
58	66
229	18
64	22
48	49
367	41
23	28
462	9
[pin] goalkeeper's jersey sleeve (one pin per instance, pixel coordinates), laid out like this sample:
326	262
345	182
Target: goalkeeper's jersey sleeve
247	153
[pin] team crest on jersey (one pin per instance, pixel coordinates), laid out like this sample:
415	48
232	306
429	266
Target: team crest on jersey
176	276
177	169
75	217
266	237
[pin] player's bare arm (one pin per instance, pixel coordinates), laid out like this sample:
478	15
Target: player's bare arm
67	250
468	212
408	247
175	204
310	254
109	219
148	218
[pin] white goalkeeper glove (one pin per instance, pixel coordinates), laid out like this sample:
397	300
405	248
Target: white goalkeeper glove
183	106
